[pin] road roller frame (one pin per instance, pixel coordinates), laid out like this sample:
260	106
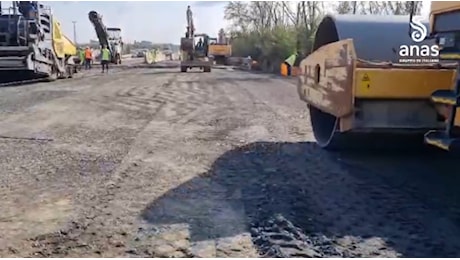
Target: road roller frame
354	84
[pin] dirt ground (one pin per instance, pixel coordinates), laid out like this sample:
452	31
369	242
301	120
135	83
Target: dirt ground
147	162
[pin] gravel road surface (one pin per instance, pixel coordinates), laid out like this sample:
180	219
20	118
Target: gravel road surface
148	162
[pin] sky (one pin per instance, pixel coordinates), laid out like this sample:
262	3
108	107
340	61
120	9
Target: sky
158	22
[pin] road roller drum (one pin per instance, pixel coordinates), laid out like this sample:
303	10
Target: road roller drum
356	81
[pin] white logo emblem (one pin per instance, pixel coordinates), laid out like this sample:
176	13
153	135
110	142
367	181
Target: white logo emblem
420	32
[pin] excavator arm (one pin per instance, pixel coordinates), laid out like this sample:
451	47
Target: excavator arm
190	25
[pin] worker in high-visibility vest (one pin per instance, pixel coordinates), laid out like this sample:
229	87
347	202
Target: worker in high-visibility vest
105	59
81	54
88	58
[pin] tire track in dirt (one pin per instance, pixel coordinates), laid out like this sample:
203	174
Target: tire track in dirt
205	192
188	94
139	97
147	170
93	228
210	233
204	135
33	187
69	175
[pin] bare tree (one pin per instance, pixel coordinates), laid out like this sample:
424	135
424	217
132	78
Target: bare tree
344	7
377	7
264	29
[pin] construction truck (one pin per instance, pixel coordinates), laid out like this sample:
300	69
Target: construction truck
32	44
391	76
194	55
108	36
220	49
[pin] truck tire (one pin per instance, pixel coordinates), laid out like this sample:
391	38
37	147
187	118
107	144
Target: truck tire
207	69
183	69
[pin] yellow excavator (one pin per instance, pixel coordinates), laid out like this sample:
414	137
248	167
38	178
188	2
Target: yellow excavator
389	75
220	48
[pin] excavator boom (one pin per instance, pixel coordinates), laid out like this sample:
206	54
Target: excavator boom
190	25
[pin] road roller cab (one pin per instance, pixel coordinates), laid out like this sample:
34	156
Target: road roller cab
367	74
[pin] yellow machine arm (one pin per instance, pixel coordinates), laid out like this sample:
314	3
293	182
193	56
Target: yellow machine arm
63	46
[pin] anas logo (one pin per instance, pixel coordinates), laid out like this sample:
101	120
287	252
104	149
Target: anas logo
420	32
420	53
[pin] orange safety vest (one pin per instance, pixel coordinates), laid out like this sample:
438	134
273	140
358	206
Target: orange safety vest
88	54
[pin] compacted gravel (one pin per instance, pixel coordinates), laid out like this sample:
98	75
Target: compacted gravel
151	162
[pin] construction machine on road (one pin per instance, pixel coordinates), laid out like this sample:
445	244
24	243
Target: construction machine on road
220	48
194	56
385	74
32	44
108	36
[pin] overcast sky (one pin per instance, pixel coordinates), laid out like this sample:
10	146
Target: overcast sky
159	22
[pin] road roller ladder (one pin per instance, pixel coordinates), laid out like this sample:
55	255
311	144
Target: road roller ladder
447	139
444	28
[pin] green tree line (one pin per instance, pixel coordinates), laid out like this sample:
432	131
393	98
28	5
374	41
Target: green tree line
271	31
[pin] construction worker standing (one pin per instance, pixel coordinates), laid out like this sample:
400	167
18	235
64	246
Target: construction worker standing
81	54
105	58
88	58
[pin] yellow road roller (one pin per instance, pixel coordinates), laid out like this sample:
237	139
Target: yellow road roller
380	74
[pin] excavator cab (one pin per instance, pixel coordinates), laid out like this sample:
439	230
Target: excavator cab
199	44
202	45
